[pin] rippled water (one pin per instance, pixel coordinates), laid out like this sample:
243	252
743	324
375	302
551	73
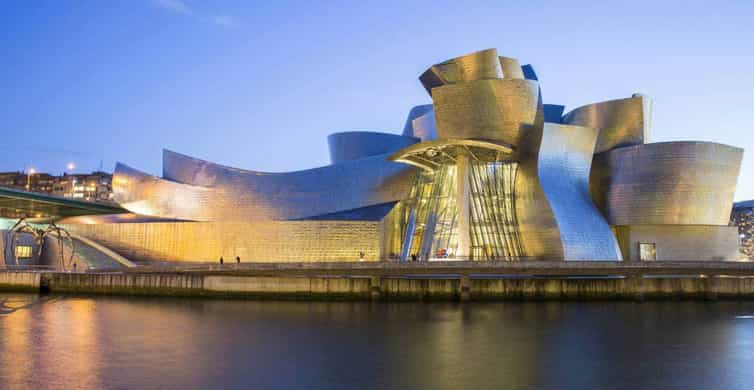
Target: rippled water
135	343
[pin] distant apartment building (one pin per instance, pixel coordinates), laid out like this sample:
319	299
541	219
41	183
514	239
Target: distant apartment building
743	217
93	187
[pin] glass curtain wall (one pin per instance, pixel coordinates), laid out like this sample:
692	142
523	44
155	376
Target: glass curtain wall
429	217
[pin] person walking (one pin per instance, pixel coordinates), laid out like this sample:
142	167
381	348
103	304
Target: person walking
238	259
221	260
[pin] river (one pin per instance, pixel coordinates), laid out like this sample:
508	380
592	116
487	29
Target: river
92	342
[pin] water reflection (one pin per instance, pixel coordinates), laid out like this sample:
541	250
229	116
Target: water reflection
137	343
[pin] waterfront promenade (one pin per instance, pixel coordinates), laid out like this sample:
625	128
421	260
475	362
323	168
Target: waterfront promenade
460	281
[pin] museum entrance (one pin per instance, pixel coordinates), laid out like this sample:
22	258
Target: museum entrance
462	211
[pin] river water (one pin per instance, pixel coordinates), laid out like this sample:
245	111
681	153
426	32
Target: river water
140	343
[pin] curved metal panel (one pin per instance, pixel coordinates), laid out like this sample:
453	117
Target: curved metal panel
499	110
238	194
565	157
480	65
529	72
422	132
537	227
679	183
621	122
430	155
425	126
554	113
144	194
511	68
354	145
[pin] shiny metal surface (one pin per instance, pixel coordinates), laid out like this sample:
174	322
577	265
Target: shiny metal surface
621	122
425	126
481	65
354	145
144	194
533	184
511	68
681	183
565	157
419	129
430	155
501	110
194	189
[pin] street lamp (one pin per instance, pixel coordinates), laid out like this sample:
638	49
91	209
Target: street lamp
28	178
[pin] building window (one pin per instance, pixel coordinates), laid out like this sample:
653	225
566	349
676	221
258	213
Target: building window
647	251
23	251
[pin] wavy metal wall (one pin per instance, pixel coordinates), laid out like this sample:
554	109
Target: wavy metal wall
565	157
355	145
677	183
621	122
198	190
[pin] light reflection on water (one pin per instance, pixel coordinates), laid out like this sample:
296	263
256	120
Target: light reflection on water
105	342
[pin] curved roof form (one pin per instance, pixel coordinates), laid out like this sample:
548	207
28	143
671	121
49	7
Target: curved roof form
511	68
430	155
354	145
148	195
198	190
679	183
420	123
622	122
480	65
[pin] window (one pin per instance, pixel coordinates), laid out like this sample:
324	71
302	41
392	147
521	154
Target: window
647	251
23	251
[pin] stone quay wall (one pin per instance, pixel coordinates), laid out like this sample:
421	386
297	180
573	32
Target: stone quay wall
416	287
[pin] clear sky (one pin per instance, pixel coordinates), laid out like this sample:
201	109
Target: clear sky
260	85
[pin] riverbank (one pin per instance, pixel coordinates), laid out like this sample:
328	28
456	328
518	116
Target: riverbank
454	281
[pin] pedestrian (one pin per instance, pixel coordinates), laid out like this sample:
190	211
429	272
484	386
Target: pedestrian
221	260
413	257
74	267
361	256
238	259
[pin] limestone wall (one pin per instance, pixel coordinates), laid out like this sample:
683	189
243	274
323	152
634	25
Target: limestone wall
386	288
264	241
680	242
19	281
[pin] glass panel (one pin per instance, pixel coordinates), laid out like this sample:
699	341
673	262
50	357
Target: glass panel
428	220
647	251
23	252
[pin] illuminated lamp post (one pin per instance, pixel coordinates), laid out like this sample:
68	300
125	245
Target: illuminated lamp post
28	178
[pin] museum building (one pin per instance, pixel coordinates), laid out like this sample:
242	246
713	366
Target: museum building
485	172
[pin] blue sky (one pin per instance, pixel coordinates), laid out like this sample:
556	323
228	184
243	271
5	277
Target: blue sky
259	85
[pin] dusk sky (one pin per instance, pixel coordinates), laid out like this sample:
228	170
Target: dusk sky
260	85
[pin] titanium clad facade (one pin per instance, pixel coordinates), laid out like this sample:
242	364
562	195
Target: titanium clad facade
622	122
355	145
565	158
480	65
485	172
668	183
198	190
412	129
